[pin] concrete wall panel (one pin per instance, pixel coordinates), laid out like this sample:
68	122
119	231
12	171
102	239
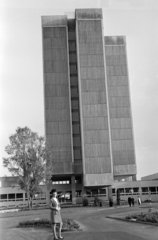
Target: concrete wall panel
56	92
118	123
96	136
93	85
120	112
56	103
95	123
117	81
121	134
123	157
97	150
118	102
96	110
119	106
125	169
98	179
97	165
119	91
121	145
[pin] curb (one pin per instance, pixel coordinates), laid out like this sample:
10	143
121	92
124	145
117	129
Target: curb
126	220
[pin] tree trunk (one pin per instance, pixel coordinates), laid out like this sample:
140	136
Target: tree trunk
28	197
31	203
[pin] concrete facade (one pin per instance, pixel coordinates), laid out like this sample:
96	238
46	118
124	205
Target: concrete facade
123	150
88	121
11	195
93	100
57	93
150	177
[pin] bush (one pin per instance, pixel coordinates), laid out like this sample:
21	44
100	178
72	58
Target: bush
144	217
68	224
148	201
111	202
85	202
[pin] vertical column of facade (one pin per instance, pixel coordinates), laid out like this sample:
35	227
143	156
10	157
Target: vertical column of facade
57	93
74	97
120	109
93	105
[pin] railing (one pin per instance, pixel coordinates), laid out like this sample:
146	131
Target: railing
21	199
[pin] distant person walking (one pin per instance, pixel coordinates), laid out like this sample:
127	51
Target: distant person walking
55	215
139	201
129	201
132	201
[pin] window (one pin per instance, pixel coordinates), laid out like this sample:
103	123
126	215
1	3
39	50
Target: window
75	117
68	195
88	192
11	196
77	154
144	190
78	193
121	190
3	197
127	190
113	191
72	46
75	104
94	192
77	141
152	190
60	182
19	195
78	180
102	191
135	190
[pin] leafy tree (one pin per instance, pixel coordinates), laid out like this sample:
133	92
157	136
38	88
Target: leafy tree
27	160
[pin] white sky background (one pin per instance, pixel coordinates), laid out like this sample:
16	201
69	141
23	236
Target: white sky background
21	72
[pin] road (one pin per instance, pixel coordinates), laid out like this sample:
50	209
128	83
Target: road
93	221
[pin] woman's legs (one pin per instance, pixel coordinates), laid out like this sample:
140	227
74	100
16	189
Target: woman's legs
60	227
54	230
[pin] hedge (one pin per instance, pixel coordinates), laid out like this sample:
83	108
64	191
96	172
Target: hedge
68	224
151	217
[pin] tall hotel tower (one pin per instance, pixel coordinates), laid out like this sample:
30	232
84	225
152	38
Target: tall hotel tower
88	121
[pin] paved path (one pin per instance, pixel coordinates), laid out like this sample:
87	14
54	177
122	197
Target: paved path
96	226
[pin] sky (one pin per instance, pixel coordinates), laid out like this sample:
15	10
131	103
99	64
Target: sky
21	71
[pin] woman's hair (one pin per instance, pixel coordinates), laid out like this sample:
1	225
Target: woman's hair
52	191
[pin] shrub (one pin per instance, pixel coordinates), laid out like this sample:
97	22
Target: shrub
68	224
148	201
85	202
111	202
144	217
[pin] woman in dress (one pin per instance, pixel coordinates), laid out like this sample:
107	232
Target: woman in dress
55	214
